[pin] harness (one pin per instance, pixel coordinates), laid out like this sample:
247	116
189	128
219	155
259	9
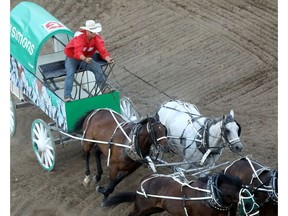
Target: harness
203	144
134	152
212	193
202	135
215	193
133	149
271	188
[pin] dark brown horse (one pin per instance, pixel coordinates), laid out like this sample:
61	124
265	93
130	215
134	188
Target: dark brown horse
125	144
262	182
211	195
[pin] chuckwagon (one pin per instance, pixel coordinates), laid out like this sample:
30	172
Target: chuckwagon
37	74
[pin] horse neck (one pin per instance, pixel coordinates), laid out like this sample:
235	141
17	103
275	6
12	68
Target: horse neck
213	132
256	171
222	194
228	191
256	176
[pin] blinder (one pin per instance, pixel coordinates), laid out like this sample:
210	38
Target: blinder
239	130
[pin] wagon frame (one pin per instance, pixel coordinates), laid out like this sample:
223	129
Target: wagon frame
37	78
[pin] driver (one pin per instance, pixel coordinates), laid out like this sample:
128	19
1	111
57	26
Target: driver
82	49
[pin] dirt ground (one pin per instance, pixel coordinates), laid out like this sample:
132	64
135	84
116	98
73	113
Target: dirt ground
216	54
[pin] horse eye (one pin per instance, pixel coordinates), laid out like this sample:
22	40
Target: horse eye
227	131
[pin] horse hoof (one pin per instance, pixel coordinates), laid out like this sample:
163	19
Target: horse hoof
87	181
100	189
104	203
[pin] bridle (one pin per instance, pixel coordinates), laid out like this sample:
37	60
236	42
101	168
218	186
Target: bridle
135	152
224	135
271	188
152	135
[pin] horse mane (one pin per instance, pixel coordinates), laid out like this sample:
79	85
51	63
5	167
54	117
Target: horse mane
78	125
203	179
152	119
226	178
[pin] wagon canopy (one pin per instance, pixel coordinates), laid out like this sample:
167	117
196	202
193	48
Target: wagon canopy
30	27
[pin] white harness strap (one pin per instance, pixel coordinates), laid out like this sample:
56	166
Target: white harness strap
119	126
255	174
175	177
84	132
205	157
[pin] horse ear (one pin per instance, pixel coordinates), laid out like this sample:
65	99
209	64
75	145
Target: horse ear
143	121
157	117
232	113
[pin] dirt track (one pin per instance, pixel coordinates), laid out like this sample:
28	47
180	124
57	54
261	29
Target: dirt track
217	54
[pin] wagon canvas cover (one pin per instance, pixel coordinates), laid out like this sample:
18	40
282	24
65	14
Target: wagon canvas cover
30	27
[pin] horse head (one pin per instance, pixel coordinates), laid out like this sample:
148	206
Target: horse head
228	191
230	132
225	189
157	133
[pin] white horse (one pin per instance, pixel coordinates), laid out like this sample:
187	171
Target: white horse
200	139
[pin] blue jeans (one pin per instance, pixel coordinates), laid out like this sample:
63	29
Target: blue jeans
72	64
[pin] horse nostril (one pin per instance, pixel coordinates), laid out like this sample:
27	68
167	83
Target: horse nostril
238	148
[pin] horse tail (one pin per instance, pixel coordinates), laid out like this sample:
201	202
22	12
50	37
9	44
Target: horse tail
79	124
120	198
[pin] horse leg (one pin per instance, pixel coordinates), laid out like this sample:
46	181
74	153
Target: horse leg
115	178
98	154
86	181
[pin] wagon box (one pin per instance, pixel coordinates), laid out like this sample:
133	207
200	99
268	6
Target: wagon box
37	77
31	28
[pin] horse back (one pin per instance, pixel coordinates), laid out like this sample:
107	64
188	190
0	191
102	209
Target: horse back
243	170
102	125
175	114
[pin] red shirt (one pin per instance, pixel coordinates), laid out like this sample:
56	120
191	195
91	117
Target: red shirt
80	45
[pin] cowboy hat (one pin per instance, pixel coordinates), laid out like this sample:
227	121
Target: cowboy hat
92	26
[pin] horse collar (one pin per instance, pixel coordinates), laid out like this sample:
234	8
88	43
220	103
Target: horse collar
203	146
134	152
214	193
273	194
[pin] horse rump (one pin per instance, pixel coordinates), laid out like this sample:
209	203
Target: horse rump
79	124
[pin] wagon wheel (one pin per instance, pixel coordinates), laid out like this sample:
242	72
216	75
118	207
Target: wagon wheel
12	117
43	144
128	109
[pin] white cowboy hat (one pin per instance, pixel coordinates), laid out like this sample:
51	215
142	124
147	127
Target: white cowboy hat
92	26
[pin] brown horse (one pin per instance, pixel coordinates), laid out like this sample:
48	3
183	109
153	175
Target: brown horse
262	182
125	144
210	195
